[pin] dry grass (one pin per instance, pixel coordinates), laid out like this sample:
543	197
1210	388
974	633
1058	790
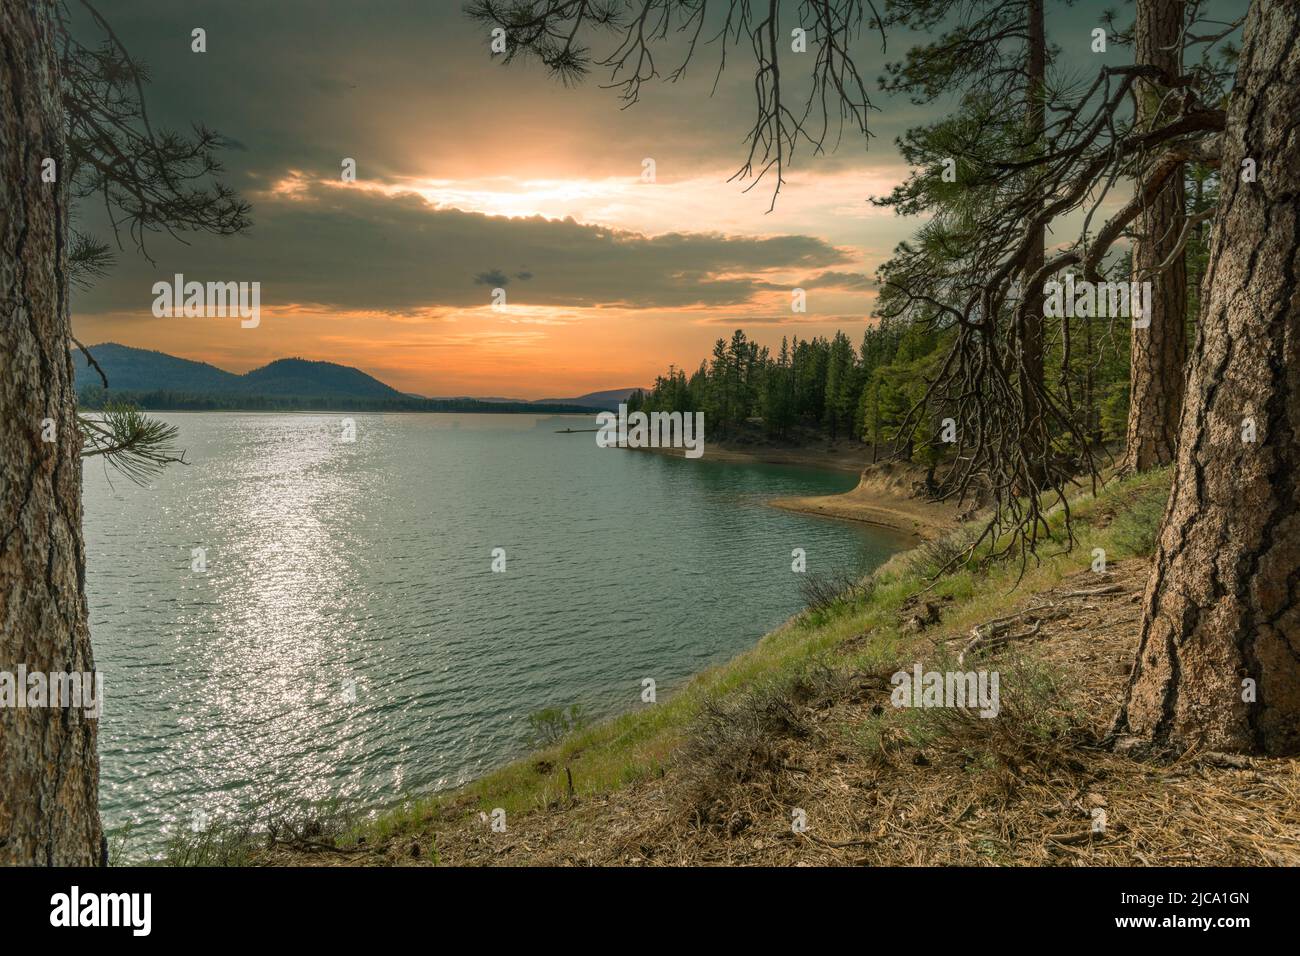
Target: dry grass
886	786
804	727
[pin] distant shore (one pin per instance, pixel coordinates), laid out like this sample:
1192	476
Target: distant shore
843	456
882	498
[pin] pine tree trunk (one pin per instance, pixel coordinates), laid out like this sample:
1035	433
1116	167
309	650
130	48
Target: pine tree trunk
1160	349
49	770
1218	663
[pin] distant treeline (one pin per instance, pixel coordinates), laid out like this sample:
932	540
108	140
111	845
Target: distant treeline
94	397
826	388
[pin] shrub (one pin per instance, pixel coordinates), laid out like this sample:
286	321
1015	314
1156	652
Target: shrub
825	592
550	725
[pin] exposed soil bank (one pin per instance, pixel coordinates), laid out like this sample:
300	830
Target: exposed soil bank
807	721
883	497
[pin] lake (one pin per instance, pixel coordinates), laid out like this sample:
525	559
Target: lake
343	636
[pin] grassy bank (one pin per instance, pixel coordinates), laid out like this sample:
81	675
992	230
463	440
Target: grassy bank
802	724
868	630
639	745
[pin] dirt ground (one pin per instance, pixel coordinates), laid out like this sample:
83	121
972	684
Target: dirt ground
970	792
884	498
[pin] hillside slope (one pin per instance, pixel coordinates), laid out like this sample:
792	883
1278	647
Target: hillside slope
295	376
158	380
607	399
142	370
803	727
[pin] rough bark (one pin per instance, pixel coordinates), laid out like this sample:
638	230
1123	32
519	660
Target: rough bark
49	771
1160	350
1222	606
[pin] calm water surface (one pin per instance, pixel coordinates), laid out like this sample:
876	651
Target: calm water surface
349	640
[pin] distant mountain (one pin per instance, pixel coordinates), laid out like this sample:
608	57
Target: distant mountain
609	398
294	376
160	381
141	370
484	398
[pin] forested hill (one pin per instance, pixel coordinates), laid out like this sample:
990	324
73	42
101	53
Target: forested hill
816	389
156	380
131	369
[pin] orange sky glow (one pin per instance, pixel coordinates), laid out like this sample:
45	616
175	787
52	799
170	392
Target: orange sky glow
534	351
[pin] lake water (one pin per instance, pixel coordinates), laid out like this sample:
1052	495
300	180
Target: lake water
349	639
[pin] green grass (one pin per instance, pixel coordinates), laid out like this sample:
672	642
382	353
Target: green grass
639	745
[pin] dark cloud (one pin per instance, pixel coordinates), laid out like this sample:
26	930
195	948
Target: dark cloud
838	280
352	249
407	87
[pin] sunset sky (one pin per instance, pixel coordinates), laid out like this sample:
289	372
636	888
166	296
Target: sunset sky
470	173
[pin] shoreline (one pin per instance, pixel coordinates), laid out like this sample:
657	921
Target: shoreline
626	791
850	457
882	497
